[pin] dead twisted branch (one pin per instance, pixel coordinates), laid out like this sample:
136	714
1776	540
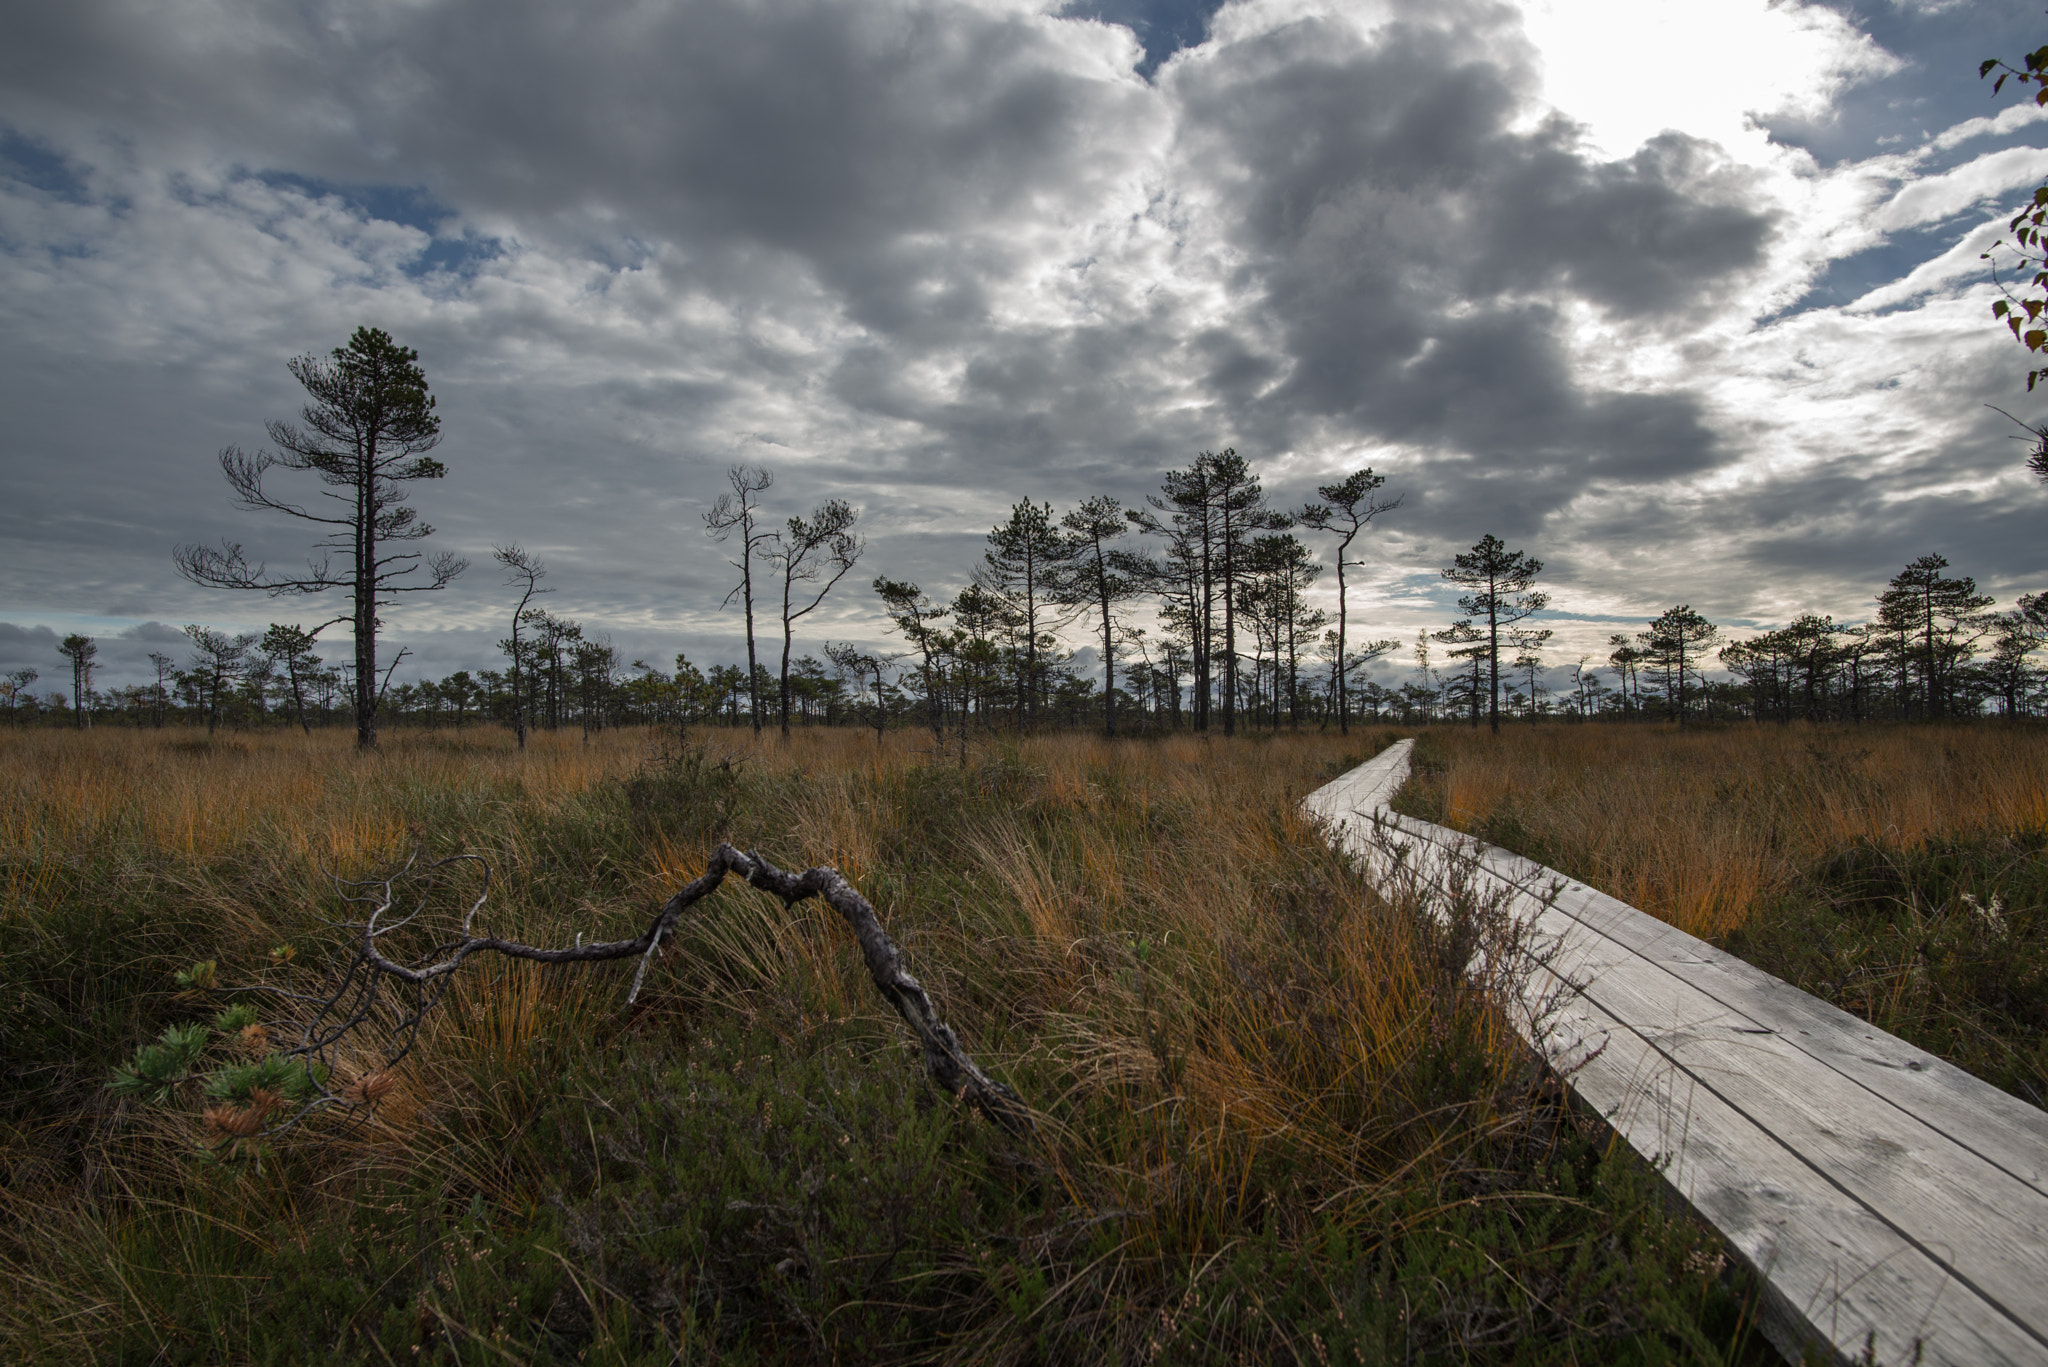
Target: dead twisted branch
360	997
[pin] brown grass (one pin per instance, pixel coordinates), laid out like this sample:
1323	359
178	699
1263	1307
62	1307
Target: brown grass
178	793
1700	828
1081	880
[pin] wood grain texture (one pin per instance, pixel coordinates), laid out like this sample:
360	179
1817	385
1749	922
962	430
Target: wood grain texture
1882	1195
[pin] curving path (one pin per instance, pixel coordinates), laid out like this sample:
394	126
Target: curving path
1879	1192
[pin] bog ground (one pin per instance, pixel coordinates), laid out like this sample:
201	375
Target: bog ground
1276	1118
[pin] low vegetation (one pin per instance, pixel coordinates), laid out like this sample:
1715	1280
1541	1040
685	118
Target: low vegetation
1897	872
1276	1119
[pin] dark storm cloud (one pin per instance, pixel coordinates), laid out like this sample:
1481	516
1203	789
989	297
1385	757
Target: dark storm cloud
1826	537
872	168
1496	383
885	150
1865	521
1401	150
32	648
1638	237
862	141
1040	408
1411	249
1403	246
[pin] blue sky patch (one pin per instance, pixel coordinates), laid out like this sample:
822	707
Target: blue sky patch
1849	278
1936	88
1163	26
410	206
40	168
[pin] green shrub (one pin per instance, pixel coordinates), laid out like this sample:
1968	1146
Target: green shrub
158	1068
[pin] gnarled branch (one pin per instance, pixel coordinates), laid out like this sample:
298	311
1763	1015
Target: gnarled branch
355	999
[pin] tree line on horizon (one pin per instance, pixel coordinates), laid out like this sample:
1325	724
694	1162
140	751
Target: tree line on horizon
1934	649
1236	643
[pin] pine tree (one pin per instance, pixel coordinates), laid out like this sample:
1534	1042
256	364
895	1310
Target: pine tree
1022	566
1100	576
1674	646
80	651
1347	507
1468	642
1499	579
822	546
1187	577
1936	622
292	649
367	431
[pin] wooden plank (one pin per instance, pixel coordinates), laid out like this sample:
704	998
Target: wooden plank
1923	1183
1999	1127
1938	1194
1831	1270
1995	1126
1876	1190
1926	1179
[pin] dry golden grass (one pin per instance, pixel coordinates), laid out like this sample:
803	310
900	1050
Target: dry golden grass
1085	882
1228	1038
1701	827
179	793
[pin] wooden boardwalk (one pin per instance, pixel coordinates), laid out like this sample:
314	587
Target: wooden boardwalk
1881	1194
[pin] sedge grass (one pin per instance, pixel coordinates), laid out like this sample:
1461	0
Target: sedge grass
1277	1120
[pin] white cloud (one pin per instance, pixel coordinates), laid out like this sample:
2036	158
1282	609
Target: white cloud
1934	198
2008	121
1963	261
1629	69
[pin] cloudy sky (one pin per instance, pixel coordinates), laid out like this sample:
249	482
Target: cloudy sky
1684	298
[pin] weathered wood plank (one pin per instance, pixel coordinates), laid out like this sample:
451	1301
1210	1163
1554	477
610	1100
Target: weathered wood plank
1880	1193
1999	1128
1791	1099
1908	1174
1831	1269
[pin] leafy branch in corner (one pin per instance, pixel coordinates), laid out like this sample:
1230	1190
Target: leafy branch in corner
2024	312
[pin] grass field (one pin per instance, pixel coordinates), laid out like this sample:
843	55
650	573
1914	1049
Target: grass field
1276	1119
1898	872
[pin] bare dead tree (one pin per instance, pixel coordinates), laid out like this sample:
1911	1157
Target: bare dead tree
824	546
523	571
377	988
739	512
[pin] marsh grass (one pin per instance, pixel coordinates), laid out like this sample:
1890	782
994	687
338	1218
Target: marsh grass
1276	1119
1896	871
